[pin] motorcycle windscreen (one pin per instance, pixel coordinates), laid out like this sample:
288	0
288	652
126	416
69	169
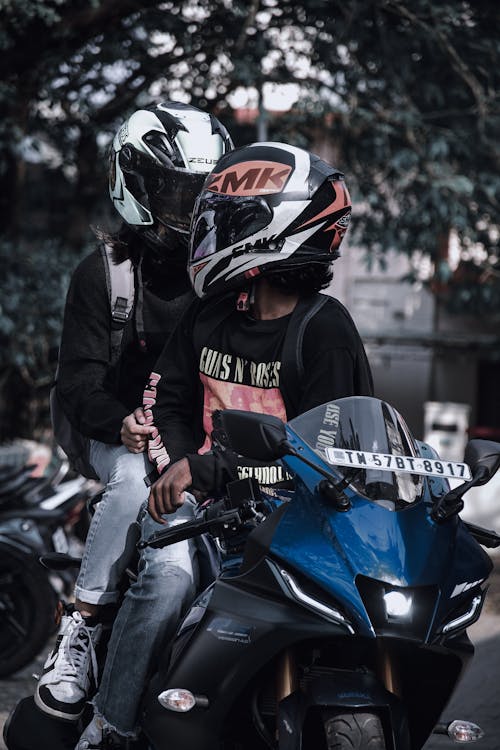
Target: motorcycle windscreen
365	433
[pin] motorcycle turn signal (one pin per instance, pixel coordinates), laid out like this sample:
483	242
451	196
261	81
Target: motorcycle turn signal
181	701
460	731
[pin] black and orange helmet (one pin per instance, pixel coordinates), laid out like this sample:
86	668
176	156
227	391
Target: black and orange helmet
265	207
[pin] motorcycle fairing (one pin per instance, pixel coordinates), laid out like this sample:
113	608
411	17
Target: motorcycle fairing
389	543
219	668
209	661
212	664
401	549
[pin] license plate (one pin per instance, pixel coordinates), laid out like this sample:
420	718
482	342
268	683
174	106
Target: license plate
388	462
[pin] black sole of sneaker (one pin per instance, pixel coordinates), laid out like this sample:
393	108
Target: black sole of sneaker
54	711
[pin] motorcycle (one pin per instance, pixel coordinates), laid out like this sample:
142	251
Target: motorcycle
38	515
341	620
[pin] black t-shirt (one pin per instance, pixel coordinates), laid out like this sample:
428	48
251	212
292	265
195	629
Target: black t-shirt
95	395
221	358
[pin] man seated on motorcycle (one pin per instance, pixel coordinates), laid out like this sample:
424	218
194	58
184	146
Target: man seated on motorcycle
265	231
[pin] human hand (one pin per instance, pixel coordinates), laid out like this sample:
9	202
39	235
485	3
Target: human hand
167	493
134	432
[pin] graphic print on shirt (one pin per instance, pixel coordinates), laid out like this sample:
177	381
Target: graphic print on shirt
231	382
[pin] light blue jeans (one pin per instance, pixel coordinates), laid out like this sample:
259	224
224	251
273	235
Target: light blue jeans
112	536
166	584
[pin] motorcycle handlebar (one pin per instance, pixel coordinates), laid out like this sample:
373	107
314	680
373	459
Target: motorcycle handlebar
212	520
219	518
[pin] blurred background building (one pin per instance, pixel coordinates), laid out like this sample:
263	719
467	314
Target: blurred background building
422	355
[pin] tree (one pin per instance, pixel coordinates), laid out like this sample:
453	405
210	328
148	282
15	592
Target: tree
419	85
406	93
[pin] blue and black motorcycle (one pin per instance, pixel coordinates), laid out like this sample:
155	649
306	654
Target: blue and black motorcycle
340	621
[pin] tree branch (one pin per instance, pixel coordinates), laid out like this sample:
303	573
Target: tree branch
72	29
250	19
463	71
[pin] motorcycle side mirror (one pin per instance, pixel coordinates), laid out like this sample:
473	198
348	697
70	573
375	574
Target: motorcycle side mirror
483	458
258	436
264	438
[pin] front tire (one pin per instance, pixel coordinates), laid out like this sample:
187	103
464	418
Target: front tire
358	731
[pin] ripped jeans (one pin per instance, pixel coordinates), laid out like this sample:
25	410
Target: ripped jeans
112	536
166	584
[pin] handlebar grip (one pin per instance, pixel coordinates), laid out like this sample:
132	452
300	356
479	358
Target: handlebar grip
211	521
178	533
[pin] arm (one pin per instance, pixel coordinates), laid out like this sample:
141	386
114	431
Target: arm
204	473
335	362
171	403
85	356
176	407
172	399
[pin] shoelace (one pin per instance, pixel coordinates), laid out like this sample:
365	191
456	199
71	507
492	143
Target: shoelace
72	661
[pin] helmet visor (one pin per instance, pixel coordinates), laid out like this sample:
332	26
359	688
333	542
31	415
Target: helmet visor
222	221
172	194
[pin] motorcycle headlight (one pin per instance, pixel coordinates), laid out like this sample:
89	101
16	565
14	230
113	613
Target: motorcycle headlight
391	608
397	604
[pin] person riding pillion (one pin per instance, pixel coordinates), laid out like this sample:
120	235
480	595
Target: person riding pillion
159	159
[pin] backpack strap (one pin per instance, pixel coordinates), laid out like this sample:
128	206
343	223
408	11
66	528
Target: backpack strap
292	364
120	283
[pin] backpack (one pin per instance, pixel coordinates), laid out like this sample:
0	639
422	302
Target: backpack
120	283
292	364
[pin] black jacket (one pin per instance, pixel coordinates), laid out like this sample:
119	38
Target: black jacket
95	395
221	358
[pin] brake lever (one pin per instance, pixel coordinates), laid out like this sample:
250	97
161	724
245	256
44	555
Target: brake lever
225	521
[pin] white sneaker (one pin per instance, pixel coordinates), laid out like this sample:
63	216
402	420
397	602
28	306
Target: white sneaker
70	670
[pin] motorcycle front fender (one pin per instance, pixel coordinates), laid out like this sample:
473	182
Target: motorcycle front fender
343	692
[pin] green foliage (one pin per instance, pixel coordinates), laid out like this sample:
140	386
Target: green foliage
403	93
32	290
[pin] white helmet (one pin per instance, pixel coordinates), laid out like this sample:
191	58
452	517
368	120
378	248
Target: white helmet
158	162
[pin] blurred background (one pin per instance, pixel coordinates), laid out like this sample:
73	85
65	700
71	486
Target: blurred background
401	96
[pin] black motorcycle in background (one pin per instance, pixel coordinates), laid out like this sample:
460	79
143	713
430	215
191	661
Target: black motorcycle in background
38	516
